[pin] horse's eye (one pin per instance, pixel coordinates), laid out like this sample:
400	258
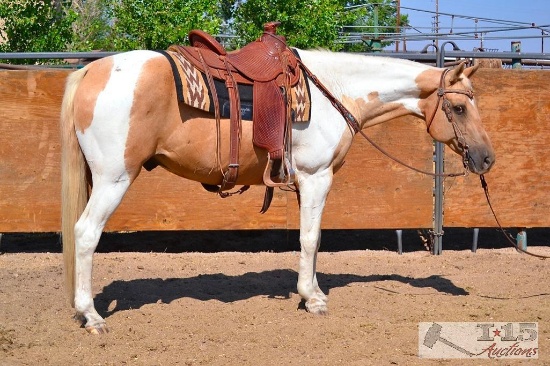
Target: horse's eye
459	109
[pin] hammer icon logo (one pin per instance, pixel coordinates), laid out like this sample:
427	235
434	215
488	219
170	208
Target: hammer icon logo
433	335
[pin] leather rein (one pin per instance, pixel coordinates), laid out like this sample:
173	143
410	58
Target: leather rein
507	236
446	106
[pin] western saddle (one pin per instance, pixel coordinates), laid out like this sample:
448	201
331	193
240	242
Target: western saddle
272	69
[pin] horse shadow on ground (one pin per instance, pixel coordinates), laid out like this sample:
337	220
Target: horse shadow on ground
278	284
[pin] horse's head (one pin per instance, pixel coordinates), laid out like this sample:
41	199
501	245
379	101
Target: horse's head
452	117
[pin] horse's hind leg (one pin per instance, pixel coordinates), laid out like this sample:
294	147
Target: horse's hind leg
105	198
313	194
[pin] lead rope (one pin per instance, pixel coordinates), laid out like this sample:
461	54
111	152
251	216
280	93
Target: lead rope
377	147
506	235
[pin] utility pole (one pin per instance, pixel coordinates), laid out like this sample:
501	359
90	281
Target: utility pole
398	25
436	22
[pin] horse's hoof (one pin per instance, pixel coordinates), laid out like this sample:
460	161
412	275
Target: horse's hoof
317	307
98	329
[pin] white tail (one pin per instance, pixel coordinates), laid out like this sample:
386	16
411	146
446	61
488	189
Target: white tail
74	187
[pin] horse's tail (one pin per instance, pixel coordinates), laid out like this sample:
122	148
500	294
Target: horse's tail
74	186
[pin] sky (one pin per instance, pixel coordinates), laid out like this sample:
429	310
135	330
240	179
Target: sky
527	11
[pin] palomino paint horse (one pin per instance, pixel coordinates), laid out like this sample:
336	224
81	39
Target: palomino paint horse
120	111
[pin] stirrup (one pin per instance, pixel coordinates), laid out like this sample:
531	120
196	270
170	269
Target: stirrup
285	173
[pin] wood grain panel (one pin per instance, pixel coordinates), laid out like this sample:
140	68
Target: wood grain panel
159	200
29	150
370	191
30	174
515	108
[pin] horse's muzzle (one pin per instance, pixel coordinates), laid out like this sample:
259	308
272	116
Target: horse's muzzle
480	161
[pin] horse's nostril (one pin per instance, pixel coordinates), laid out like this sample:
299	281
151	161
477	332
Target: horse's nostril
487	162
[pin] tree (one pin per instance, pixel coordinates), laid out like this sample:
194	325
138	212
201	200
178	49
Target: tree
156	24
92	26
305	24
35	26
120	25
312	24
372	19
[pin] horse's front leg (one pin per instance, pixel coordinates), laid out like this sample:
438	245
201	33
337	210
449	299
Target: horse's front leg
313	193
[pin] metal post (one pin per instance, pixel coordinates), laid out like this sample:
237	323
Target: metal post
438	200
439	170
521	239
437	232
515	46
398	25
399	241
474	242
376	42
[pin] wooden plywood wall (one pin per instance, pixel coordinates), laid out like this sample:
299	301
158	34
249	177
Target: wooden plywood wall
369	191
29	150
515	107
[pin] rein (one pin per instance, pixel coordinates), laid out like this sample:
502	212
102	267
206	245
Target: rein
507	236
356	128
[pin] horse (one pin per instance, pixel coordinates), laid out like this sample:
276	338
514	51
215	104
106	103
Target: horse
120	111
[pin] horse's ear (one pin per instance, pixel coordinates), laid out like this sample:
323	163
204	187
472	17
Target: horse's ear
454	74
469	71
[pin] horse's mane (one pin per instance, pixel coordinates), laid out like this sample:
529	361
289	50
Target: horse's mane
355	65
362	56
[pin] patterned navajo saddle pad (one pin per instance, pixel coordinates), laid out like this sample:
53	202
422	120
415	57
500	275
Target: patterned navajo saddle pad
193	89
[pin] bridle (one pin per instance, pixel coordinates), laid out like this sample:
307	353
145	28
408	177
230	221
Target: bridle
446	106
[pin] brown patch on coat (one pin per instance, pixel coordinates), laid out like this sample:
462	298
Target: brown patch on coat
153	108
374	111
97	76
367	113
181	138
428	81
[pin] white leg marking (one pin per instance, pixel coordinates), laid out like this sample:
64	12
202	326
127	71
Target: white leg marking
104	200
313	194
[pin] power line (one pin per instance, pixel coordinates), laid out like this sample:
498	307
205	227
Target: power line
467	30
470	17
510	29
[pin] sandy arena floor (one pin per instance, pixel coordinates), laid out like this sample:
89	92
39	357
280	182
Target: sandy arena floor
243	309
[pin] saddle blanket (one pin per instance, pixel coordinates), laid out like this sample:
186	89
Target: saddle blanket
193	89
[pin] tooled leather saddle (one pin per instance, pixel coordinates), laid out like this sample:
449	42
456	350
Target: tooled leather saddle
271	68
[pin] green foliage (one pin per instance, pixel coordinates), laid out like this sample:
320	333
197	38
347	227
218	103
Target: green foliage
92	27
317	23
35	26
156	24
362	18
120	25
305	24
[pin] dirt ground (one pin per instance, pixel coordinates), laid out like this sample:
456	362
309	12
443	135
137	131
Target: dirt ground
236	308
